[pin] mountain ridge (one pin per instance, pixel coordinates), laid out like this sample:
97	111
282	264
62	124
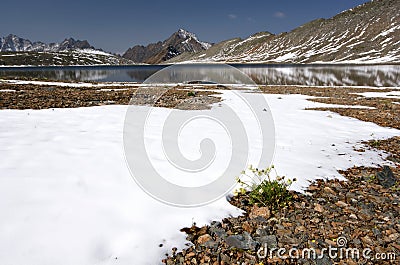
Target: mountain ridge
17	51
368	33
155	53
14	43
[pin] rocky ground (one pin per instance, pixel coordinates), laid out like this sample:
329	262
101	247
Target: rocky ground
360	214
385	111
18	96
363	212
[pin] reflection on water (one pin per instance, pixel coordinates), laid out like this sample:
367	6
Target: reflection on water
377	75
321	75
83	73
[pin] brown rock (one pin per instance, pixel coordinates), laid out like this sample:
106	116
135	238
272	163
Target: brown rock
315	220
319	208
367	240
300	229
330	242
350	262
341	204
353	216
396	246
202	231
313	188
329	190
394	236
247	227
203	239
282	232
259	211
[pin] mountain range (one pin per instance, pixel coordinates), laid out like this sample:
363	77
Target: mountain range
13	43
180	42
18	51
369	33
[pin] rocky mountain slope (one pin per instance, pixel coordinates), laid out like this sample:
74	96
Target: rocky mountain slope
13	43
366	34
369	33
62	58
180	42
18	51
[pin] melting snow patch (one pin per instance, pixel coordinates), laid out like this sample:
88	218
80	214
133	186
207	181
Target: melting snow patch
391	94
67	196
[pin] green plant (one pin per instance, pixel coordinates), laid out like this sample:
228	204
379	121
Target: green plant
371	178
374	143
191	94
261	188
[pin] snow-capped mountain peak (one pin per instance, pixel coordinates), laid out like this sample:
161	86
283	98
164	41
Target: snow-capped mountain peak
368	33
13	43
179	42
184	34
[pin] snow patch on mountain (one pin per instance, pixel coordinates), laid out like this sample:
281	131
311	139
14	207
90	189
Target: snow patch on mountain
186	35
367	34
13	43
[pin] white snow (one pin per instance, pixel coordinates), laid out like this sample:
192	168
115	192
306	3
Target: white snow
67	196
97	52
7	90
391	94
189	35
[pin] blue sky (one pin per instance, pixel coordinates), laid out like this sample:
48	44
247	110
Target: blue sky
119	24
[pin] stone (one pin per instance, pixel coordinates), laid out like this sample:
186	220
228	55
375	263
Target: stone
394	237
330	242
324	261
211	244
341	204
289	240
259	212
261	232
225	258
300	229
204	238
386	177
244	241
269	240
319	208
247	227
219	232
367	240
329	190
353	216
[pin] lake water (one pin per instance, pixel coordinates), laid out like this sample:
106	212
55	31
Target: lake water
318	75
